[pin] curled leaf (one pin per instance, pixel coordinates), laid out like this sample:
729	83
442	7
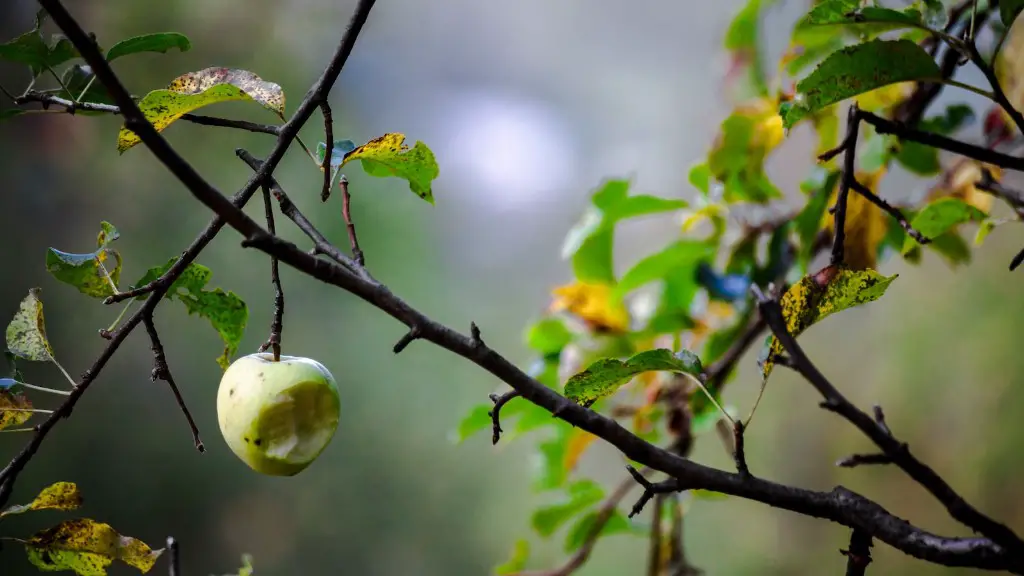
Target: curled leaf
197	89
389	156
96	273
87	547
57	496
605	376
26	334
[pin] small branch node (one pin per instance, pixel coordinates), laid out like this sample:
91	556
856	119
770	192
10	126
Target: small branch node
411	335
880	419
650	489
854	460
499	402
325	109
858	556
474	334
739	455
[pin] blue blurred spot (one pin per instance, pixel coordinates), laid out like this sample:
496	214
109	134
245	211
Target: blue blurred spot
727	287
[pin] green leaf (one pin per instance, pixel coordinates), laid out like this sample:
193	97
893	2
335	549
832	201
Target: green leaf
32	49
617	523
548	336
952	247
1008	11
87	547
159	42
227	313
984	229
26	334
96	273
517	562
551	472
858	69
700	177
478	419
849	12
682	254
605	376
939	217
582	494
338	151
817	296
924	160
9	113
57	496
197	89
737	158
808	221
877	151
742	38
388	156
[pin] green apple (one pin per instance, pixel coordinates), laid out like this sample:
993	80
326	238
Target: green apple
277	417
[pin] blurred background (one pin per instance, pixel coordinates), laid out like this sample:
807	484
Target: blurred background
528	106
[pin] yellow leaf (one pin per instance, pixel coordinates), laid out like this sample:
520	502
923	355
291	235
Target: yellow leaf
866	225
389	156
960	182
575	446
593	303
58	496
1009	63
14	409
87	547
885	97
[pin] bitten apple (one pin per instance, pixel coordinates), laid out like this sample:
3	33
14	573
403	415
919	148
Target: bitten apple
277	417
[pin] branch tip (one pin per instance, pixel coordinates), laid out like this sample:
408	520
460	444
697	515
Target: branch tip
411	335
499	402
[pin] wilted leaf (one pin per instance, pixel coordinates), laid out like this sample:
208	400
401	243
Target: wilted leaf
96	273
227	313
87	547
820	295
548	336
594	304
516	563
604	377
341	147
159	42
617	523
14	409
388	156
26	334
197	89
58	496
582	494
737	157
939	217
857	69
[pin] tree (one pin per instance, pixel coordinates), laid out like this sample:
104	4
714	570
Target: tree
887	64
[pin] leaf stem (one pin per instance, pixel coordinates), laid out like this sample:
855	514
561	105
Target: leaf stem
59	81
86	89
711	398
17	430
120	316
987	94
32	410
44	389
65	373
312	156
113	285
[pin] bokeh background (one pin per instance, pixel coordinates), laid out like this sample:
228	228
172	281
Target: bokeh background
528	105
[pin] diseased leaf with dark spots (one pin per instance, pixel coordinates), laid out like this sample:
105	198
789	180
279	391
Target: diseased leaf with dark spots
96	273
388	156
14	409
197	89
57	496
605	376
87	547
26	334
817	296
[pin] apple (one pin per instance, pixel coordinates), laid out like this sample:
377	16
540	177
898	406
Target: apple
277	417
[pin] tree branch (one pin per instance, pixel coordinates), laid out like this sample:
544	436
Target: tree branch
848	177
325	109
276	325
892	210
162	372
346	213
495	414
858	556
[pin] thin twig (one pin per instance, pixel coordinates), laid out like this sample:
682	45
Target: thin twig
162	372
849	159
858	556
495	413
173	560
1012	197
276	325
325	109
739	455
854	460
655	540
346	213
870	196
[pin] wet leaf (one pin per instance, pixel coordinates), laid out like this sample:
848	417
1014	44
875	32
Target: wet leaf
581	495
605	376
857	69
87	547
159	42
617	523
517	561
592	303
341	147
14	408
389	156
939	217
197	89
58	496
26	334
96	273
820	295
227	313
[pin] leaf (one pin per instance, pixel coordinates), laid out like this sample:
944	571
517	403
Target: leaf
388	156
79	80
617	523
582	495
87	547
682	254
984	229
26	334
808	221
939	217
605	376
850	12
548	336
517	562
550	471
159	42
9	113
866	225
578	442
1008	11
478	419
820	295
227	313
32	49
197	89
924	160
858	69
96	273
592	303
338	152
14	409
737	157
58	496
